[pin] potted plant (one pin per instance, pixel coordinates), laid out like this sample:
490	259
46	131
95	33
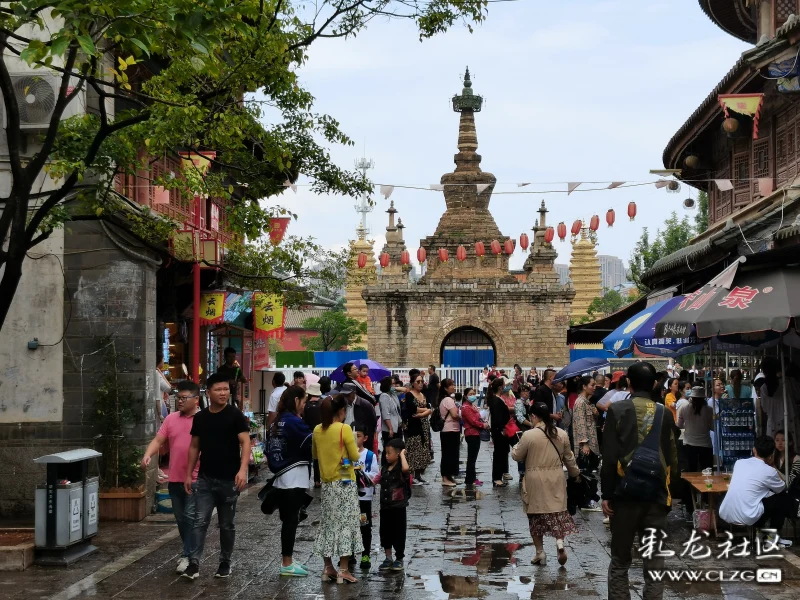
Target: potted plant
115	414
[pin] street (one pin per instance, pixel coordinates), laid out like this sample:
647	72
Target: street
460	545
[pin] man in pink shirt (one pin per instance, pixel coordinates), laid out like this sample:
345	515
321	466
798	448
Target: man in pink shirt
176	429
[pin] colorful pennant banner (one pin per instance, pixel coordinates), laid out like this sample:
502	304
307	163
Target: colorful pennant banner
212	308
268	316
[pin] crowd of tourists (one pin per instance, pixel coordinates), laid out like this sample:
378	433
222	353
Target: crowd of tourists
574	442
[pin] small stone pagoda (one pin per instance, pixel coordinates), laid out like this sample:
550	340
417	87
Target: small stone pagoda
585	273
356	279
477	298
395	272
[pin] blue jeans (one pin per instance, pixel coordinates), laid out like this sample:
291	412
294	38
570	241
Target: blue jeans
183	507
222	495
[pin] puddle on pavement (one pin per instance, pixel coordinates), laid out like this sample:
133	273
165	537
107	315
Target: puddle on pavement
462	495
492	558
454	587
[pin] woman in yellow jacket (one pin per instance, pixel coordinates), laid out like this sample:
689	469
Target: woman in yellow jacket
334	447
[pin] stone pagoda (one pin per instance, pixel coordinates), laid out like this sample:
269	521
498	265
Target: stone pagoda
585	273
356	278
395	245
475	302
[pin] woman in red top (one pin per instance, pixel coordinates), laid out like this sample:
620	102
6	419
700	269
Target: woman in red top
473	424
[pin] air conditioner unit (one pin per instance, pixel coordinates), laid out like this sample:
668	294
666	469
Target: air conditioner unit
36	95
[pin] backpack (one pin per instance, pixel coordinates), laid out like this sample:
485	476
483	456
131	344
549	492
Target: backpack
644	476
437	422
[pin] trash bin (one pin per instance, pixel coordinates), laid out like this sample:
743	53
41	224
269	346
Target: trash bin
66	508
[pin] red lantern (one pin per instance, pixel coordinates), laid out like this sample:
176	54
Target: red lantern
443	254
508	246
479	249
421	255
562	231
594	223
362	260
549	234
632	210
405	258
576	227
461	253
523	241
384	259
495	247
610	216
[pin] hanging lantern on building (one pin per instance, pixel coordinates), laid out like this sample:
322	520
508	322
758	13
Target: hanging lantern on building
480	250
632	210
508	247
562	231
594	223
461	253
691	161
443	254
576	227
549	234
422	255
496	247
362	260
730	125
610	217
405	257
384	259
524	242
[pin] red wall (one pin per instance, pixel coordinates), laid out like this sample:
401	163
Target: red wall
291	339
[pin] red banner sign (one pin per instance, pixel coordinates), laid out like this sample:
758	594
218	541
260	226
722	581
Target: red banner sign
277	229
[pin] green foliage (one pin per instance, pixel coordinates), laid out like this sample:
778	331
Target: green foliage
182	75
608	303
336	331
676	235
701	218
115	411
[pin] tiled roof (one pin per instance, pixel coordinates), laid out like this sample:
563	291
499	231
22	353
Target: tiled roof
296	316
733	17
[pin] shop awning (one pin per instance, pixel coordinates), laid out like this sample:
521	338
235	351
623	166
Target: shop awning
596	331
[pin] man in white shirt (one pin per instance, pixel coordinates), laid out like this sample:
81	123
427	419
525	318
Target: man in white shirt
279	385
756	494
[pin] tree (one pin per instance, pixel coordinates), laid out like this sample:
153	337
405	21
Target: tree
336	331
701	218
607	304
180	75
676	235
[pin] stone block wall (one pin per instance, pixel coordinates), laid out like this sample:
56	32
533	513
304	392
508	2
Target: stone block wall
527	323
107	292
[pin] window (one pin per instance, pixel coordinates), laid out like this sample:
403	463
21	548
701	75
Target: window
784	8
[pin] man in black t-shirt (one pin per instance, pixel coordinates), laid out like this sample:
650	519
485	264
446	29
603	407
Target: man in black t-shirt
432	391
221	438
232	372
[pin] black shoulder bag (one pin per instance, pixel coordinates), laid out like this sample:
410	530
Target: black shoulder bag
644	475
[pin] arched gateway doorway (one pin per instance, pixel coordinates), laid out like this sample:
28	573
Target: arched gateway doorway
467	347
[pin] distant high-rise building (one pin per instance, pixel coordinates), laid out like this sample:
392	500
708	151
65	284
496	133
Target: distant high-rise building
563	273
612	271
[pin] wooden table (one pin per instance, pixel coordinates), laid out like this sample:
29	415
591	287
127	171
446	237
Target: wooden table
719	485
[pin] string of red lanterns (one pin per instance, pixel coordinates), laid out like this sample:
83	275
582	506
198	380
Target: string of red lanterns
508	247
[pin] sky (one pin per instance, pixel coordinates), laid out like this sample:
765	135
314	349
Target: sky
575	90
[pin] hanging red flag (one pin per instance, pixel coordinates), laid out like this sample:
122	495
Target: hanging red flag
277	229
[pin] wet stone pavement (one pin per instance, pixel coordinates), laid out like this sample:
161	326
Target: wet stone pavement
460	544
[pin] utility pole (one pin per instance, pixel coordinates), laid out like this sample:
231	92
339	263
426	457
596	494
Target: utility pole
363	207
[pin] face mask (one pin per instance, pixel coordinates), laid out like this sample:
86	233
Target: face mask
507	388
472	398
392	389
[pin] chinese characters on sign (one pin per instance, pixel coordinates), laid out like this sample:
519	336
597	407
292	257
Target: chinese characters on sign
739	297
697	548
212	308
268	313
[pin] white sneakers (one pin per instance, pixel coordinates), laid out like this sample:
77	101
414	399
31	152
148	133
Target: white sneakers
182	564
